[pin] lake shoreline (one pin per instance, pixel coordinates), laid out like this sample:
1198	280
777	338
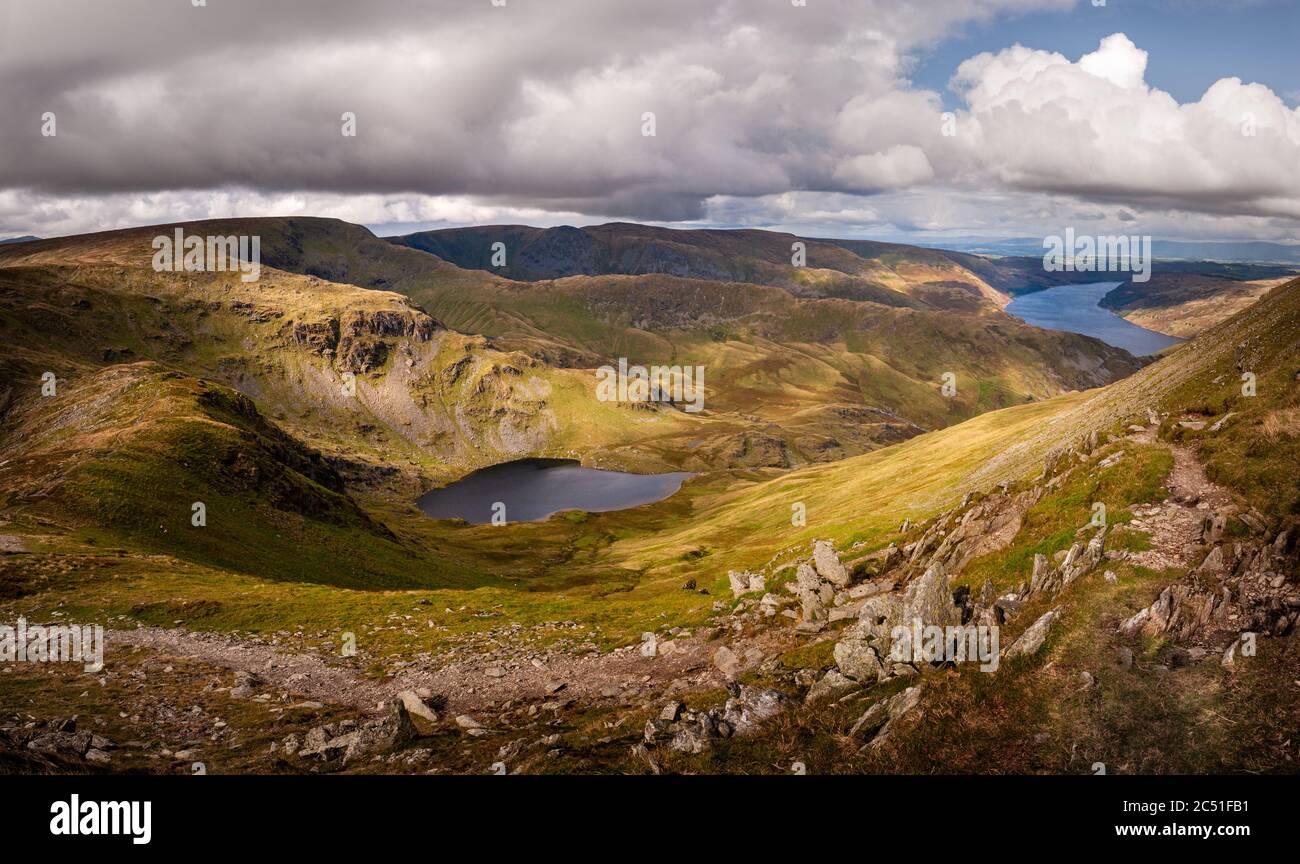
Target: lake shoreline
1077	309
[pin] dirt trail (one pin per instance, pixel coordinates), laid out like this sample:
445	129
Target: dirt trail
1175	523
624	674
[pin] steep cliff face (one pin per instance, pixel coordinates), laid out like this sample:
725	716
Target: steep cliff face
354	372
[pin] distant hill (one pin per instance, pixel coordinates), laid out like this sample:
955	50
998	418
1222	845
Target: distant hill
1244	252
24	239
852	269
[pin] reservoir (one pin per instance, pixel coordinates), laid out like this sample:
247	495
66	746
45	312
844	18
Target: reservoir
533	489
1074	308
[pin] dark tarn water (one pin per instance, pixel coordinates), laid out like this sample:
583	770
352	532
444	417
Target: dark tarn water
533	489
1074	308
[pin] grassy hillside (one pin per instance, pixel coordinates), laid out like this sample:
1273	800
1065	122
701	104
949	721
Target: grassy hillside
1183	305
826	372
1202	382
123	455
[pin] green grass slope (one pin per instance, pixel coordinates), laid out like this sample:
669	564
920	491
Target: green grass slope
121	457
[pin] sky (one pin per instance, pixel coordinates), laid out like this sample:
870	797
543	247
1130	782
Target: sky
912	121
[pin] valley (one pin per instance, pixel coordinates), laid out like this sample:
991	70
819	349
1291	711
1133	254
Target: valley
724	627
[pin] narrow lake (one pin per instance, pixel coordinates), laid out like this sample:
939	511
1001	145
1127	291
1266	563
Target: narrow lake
1074	308
533	489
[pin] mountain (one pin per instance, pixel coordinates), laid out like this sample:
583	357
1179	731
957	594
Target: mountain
306	411
804	348
792	378
23	239
852	269
755	257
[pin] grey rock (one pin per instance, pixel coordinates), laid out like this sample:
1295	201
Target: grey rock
694	734
857	658
750	707
671	711
415	705
1033	638
828	565
833	684
872	720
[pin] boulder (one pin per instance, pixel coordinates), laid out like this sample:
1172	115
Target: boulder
1215	564
806	578
832	685
930	599
739	582
828	565
1033	638
727	661
390	730
750	707
876	721
655	730
745	582
1213	527
872	720
415	705
863	652
694	734
857	658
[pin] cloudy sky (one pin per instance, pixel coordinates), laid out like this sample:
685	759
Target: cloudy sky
862	118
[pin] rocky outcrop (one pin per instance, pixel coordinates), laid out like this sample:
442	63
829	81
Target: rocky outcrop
386	322
57	744
814	596
357	340
1180	611
1245	586
745	582
985	527
697	731
876	722
828	566
349	740
863	653
1079	559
